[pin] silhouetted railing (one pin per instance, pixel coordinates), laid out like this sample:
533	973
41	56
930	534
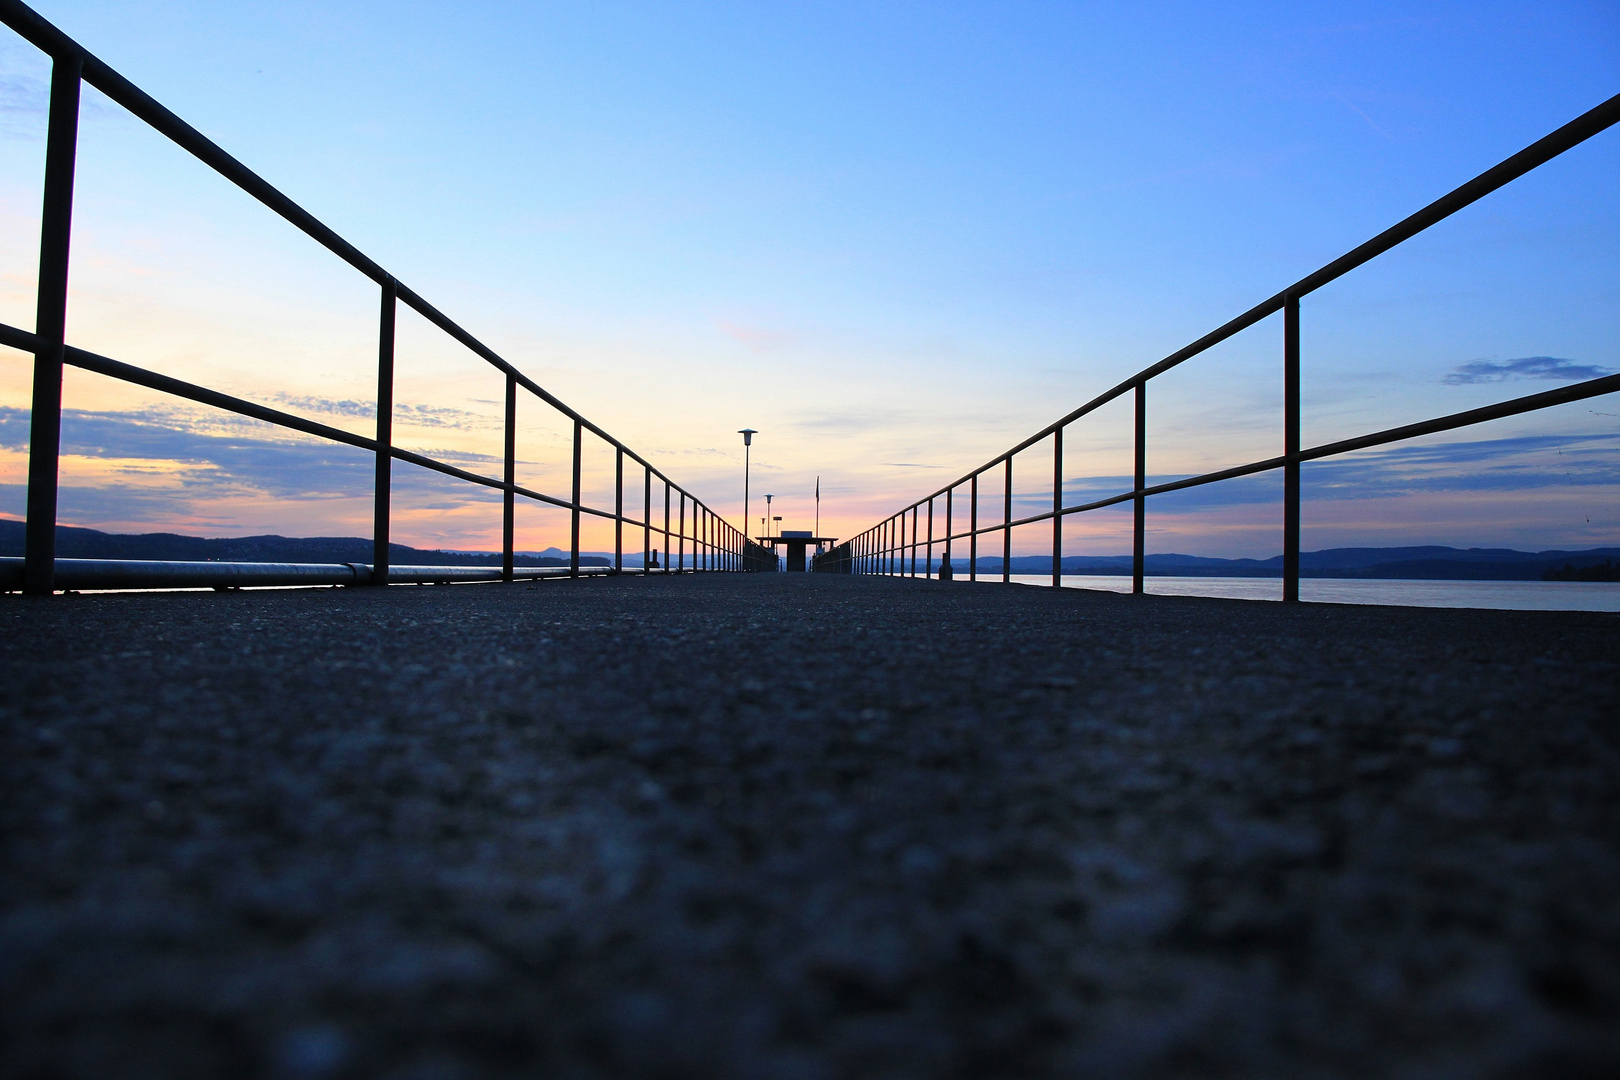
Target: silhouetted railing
892	546
714	543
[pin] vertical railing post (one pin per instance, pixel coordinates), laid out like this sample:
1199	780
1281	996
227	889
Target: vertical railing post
1006	536
573	549
509	496
1057	508
913	541
50	326
382	485
949	492
681	565
646	521
1139	544
928	560
973	529
666	525
1291	448
618	509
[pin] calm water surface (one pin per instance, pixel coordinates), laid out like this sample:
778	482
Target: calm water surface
1525	595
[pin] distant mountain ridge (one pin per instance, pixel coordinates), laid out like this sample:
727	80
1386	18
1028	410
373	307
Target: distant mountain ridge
76	543
1424	562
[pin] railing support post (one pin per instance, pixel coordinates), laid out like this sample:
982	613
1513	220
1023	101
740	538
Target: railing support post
973	529
382	485
1006	529
1139	545
573	550
509	496
913	541
646	521
1291	449
666	526
50	325
618	509
947	556
1057	508
928	557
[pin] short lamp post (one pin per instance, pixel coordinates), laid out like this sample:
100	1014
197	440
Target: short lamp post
765	524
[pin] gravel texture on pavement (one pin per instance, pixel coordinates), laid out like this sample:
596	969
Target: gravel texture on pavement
800	826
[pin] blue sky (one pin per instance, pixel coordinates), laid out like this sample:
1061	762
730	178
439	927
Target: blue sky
894	238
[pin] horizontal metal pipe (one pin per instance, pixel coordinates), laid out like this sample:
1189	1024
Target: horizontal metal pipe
36	29
1538	153
151	574
23	340
1607	384
117	369
47	37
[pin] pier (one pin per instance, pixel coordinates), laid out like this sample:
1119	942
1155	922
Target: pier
624	827
657	811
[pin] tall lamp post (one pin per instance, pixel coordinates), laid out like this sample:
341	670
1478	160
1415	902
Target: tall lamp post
748	434
765	521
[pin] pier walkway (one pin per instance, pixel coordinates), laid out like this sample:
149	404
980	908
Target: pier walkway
627	827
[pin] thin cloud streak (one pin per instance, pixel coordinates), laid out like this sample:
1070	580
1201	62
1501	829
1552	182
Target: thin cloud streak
1526	367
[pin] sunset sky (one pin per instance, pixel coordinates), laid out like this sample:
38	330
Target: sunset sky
895	238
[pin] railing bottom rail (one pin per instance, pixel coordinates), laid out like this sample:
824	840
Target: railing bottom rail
91	574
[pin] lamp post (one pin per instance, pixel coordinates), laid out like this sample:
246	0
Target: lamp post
766	523
748	434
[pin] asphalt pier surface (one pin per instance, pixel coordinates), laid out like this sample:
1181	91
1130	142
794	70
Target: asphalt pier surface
790	826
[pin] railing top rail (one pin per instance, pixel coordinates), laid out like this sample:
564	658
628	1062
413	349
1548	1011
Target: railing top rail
1538	153
51	40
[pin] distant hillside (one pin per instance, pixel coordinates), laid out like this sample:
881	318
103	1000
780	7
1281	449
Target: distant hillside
76	543
1431	563
1471	564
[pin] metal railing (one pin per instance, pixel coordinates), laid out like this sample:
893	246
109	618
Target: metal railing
891	546
714	543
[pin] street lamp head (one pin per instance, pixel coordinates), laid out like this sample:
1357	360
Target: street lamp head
748	434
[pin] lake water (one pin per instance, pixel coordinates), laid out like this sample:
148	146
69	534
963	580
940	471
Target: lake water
1525	595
